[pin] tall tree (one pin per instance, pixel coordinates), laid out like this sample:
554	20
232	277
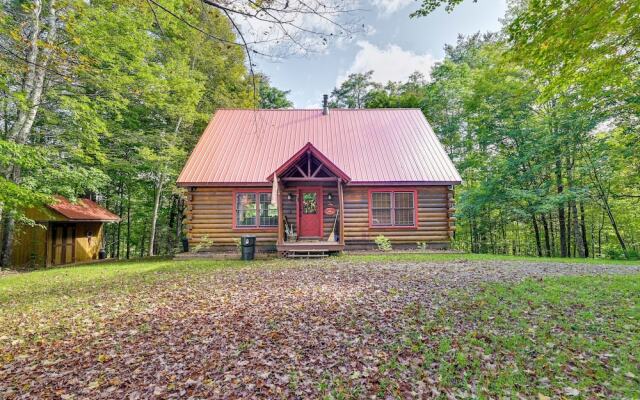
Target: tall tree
354	91
272	97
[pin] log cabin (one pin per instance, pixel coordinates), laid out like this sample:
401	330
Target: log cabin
63	232
319	180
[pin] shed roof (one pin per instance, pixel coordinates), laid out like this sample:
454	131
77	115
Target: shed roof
372	146
82	210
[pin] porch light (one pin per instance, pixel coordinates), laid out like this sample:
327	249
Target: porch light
289	196
329	196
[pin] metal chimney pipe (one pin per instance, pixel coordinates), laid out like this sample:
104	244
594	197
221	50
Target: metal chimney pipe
325	104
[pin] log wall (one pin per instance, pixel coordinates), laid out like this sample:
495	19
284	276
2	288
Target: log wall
435	222
210	213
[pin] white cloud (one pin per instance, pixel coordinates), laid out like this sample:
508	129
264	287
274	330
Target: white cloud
391	63
279	34
388	7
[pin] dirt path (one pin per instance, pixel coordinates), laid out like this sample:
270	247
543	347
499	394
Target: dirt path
255	332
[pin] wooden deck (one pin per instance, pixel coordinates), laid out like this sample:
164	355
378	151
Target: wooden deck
309	249
311	246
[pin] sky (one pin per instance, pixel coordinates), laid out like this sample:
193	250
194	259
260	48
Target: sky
394	47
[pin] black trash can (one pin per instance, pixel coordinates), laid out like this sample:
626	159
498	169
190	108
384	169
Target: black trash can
248	247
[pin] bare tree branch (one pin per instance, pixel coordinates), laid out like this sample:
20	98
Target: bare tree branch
155	16
197	28
246	48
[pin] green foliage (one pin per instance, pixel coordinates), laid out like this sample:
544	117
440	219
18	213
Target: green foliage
429	6
599	59
204	243
238	244
128	93
354	91
272	97
383	243
539	120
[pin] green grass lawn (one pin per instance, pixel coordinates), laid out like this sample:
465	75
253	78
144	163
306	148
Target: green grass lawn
52	286
564	336
48	287
416	256
556	336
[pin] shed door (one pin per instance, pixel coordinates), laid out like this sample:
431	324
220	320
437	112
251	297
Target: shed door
310	204
63	244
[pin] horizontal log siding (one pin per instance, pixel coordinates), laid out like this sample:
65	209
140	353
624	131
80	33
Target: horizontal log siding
433	218
210	212
290	208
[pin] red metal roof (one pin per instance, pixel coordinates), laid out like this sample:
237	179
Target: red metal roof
371	146
83	210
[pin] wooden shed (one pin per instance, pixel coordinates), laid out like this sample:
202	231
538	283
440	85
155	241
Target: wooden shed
63	233
319	180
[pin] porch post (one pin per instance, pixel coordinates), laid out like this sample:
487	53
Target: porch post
280	215
341	210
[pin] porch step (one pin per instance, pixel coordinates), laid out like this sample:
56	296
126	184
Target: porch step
306	254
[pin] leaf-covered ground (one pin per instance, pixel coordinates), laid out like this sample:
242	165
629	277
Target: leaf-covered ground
336	328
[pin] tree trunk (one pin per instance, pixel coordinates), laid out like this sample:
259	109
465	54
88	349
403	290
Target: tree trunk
472	234
583	229
142	241
579	248
517	246
169	243
614	225
547	238
561	218
577	233
8	225
537	233
600	228
607	208
120	212
492	243
553	235
16	131
568	220
180	218
128	251
154	218
33	86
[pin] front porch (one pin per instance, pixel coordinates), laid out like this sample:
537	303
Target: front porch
311	205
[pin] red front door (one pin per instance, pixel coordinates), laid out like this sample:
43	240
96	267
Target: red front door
310	212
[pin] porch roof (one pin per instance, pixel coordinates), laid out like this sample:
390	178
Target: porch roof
310	148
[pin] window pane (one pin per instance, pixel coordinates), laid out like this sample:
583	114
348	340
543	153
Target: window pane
268	212
309	203
246	209
381	208
381	200
404	217
404	199
404	209
381	216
